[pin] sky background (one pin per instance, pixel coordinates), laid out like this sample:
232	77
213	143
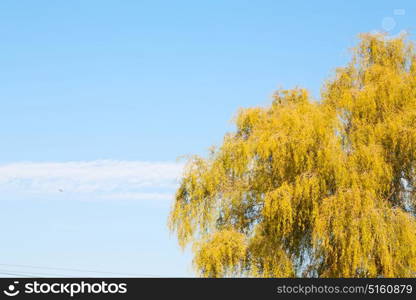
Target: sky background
100	98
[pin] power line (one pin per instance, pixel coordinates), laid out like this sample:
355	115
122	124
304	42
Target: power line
78	270
11	273
37	274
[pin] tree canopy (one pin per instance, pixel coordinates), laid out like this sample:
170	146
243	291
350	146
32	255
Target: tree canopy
307	188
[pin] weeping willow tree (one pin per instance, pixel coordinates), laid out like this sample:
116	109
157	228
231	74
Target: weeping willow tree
313	189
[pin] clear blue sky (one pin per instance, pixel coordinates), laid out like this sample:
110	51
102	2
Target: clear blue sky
142	81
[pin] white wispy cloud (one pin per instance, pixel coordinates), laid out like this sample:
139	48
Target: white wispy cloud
94	180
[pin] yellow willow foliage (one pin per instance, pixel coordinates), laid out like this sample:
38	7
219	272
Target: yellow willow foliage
222	254
316	189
